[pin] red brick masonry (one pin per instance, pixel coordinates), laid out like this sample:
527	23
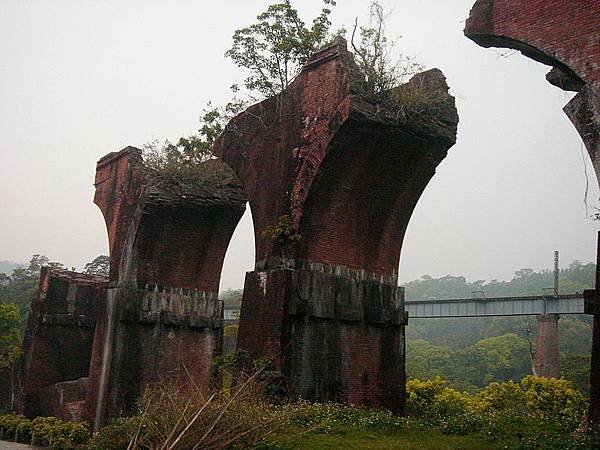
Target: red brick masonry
58	340
163	320
349	170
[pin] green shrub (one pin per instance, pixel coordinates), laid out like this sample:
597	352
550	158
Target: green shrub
436	404
534	414
44	431
15	428
554	399
117	434
507	396
57	434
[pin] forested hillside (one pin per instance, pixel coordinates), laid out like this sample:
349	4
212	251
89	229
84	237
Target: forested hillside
471	352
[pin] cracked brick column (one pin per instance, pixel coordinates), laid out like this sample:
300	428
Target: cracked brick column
347	170
163	320
562	34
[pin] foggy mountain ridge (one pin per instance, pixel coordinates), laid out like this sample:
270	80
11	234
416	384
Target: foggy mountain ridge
7	267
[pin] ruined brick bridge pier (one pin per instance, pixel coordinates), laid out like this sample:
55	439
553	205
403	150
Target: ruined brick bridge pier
344	170
348	172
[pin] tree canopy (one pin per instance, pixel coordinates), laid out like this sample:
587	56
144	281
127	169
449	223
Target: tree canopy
99	266
271	52
273	49
10	334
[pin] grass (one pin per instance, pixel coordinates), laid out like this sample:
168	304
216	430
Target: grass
380	440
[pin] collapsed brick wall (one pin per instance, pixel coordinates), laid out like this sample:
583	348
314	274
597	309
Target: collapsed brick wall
58	339
163	320
348	171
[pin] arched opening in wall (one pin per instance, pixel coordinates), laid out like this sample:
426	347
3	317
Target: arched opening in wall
239	259
240	254
510	192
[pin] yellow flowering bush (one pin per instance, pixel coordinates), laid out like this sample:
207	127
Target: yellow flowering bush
552	398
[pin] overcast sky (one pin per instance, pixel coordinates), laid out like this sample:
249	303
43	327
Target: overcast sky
79	79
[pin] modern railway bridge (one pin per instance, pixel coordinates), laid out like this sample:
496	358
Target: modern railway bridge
534	305
546	308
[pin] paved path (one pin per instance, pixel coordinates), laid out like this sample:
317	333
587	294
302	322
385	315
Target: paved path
12	446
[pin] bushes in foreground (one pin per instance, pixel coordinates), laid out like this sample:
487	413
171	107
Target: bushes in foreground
48	432
536	413
241	415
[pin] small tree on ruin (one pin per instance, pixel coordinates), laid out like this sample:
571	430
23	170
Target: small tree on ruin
273	51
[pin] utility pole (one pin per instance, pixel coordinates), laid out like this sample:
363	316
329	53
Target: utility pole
556	272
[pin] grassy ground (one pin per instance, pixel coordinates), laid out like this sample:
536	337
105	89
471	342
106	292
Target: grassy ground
429	440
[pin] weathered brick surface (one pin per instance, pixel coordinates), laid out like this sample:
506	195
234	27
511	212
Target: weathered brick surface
349	172
563	34
584	112
168	239
560	33
64	400
58	341
336	334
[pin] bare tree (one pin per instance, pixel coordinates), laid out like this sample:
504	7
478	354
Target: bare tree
382	67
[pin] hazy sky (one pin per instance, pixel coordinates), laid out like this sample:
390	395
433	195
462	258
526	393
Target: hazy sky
79	79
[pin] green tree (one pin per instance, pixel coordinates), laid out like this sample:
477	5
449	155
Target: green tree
10	342
274	48
576	368
425	360
499	358
20	287
99	266
185	159
273	51
10	334
382	68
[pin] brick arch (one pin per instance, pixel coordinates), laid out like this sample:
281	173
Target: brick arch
348	170
183	247
562	34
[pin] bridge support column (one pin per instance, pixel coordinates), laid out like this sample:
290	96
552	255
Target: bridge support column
336	334
547	358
